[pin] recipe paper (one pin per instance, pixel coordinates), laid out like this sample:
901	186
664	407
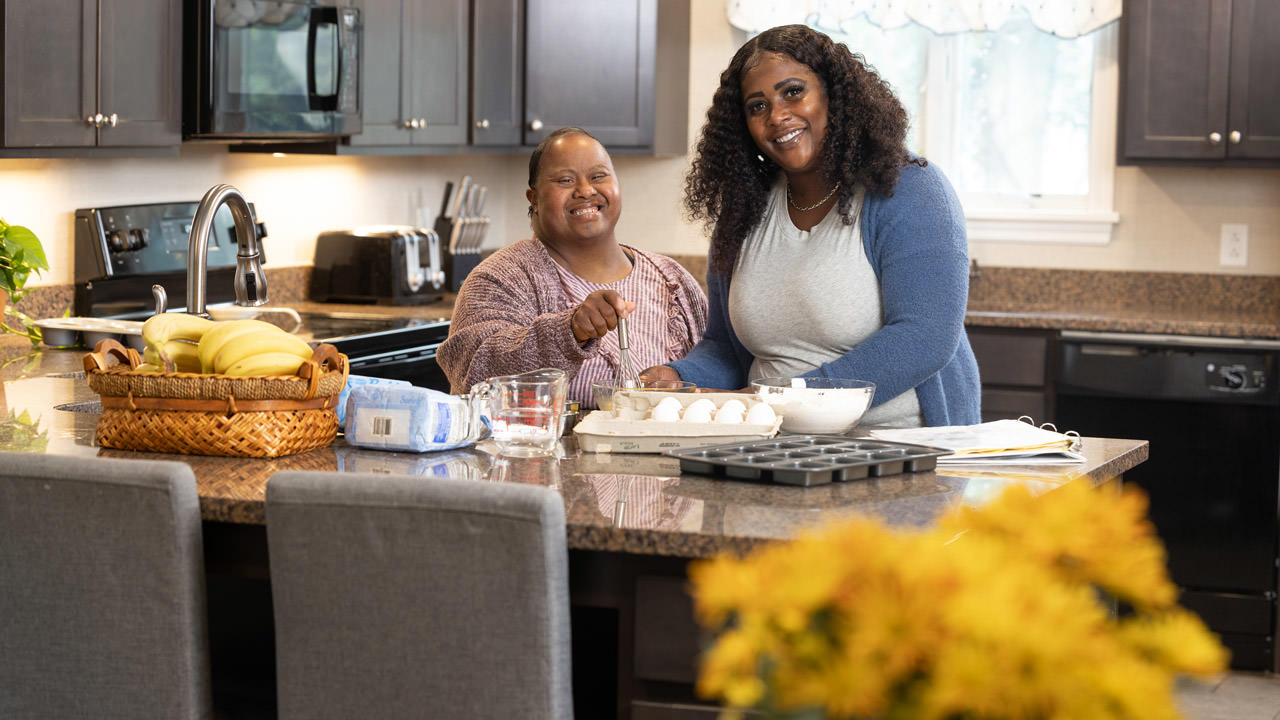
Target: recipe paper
999	441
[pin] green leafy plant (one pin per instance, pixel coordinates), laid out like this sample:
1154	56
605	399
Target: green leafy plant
20	433
21	254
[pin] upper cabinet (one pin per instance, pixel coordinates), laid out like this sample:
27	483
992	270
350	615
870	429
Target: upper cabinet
414	74
86	77
602	80
1198	83
538	65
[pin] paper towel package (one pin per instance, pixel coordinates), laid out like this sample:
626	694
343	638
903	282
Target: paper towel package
407	417
355	381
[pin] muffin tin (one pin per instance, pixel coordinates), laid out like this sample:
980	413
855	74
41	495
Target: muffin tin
807	459
76	331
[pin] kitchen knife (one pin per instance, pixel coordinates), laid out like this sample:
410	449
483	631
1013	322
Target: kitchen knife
448	191
469	227
459	207
482	220
462	194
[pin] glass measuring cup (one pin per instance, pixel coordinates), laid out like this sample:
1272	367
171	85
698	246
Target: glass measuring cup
525	410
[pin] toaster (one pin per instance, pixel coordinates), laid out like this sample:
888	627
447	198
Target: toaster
384	265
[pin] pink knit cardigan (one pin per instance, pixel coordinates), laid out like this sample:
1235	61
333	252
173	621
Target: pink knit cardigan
512	315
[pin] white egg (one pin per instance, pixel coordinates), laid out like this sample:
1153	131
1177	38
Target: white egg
671	403
761	414
698	413
729	415
665	413
734	405
703	402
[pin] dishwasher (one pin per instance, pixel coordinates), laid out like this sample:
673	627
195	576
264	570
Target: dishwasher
1210	408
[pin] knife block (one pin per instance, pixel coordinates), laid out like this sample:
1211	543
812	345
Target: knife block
456	265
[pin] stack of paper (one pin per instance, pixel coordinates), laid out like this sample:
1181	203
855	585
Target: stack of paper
1000	441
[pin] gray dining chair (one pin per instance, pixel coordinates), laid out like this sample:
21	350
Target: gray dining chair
400	596
102	596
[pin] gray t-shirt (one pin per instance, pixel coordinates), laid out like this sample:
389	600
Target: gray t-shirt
803	298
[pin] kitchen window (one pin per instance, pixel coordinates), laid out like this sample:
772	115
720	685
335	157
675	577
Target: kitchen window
1022	120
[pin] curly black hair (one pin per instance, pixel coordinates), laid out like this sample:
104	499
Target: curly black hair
729	180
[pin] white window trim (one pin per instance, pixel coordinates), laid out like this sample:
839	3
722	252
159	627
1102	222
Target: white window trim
1092	225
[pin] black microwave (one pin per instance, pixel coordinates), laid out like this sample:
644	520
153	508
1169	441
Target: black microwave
271	70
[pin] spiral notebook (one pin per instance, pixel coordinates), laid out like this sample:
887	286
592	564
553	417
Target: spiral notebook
1015	442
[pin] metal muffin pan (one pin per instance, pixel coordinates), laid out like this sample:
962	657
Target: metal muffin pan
87	331
807	459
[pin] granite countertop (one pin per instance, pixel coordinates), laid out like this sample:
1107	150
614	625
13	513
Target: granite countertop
639	504
1232	306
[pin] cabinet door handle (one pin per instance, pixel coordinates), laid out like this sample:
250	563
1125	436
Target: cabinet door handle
96	120
112	119
1215	138
422	123
1235	137
483	124
535	125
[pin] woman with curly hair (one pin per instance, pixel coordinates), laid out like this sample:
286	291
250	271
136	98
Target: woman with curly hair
835	252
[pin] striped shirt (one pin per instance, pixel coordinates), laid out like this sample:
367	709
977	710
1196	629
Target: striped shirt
646	326
513	315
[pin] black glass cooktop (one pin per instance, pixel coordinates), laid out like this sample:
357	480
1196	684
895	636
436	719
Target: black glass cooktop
362	335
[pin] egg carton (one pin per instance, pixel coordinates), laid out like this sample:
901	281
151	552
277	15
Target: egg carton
627	427
807	459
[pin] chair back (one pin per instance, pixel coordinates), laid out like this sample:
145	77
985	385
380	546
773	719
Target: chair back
102	595
401	596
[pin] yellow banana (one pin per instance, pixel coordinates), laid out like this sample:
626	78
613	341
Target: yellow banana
183	354
149	368
159	329
259	342
179	355
267	363
215	337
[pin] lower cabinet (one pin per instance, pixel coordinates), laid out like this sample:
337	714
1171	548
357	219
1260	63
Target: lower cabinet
1016	369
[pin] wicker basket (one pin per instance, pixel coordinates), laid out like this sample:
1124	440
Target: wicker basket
195	414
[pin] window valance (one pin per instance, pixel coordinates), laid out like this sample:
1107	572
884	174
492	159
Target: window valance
1064	18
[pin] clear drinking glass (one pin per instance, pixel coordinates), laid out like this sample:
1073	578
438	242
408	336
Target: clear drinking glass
525	410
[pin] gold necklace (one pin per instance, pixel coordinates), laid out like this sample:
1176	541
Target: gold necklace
818	204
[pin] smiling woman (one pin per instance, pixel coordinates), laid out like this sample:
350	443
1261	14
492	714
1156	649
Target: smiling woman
555	300
847	252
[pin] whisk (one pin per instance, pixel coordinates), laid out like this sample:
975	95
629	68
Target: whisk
627	375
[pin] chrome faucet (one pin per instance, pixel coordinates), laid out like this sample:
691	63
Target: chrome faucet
250	281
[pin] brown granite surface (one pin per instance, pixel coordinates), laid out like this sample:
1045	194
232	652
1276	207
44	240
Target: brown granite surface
1235	306
639	504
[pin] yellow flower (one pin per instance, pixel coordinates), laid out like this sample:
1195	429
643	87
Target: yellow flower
998	612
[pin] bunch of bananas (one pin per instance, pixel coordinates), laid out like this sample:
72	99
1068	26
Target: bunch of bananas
189	343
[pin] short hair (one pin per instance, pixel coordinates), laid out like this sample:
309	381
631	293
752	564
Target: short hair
535	159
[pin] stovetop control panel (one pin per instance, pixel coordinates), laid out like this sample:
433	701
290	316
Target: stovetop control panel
129	240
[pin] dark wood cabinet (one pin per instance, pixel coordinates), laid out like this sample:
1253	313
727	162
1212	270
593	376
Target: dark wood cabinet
413	76
538	65
91	74
497	73
1197	82
1016	367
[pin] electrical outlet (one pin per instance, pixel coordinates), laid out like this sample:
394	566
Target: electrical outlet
1234	250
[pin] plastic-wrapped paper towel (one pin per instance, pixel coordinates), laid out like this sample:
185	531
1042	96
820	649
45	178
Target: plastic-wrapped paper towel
355	381
406	417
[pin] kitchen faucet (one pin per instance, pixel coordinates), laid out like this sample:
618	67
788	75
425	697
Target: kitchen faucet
250	282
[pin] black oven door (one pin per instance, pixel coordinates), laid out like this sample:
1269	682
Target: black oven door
417	366
271	70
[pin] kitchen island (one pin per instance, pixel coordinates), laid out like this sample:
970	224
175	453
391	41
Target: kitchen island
633	523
